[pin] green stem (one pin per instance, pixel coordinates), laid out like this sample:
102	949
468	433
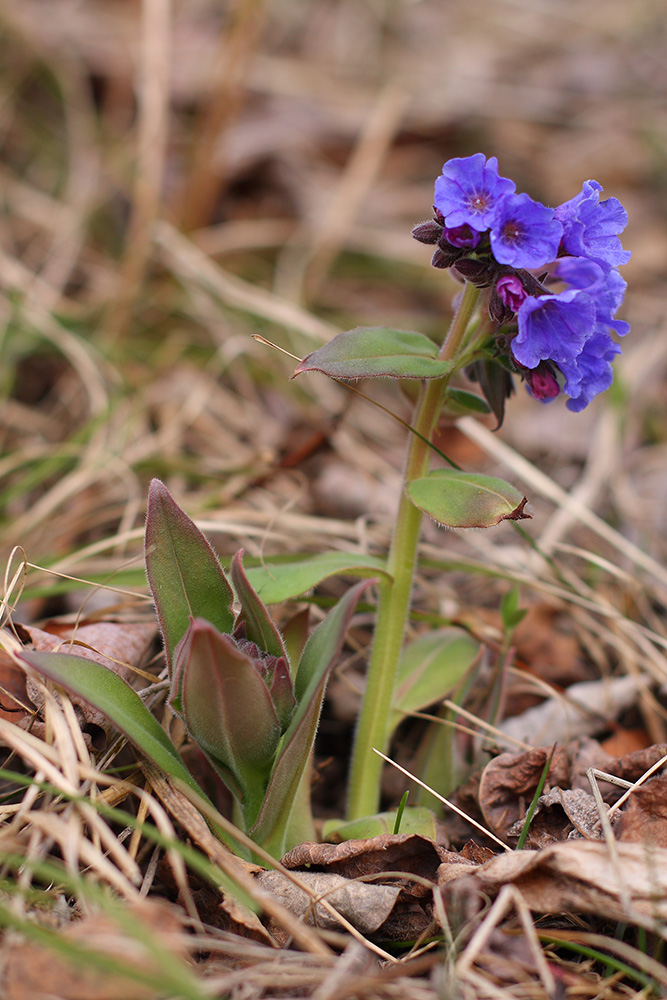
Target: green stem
373	727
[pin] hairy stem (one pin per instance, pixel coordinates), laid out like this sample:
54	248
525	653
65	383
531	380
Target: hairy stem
394	594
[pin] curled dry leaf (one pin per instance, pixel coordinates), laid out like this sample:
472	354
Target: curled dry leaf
583	710
400	914
509	782
117	646
644	818
402	852
575	876
366	906
561	814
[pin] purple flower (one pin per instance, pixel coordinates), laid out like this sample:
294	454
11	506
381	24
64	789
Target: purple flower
607	289
591	227
590	373
524	233
553	327
468	191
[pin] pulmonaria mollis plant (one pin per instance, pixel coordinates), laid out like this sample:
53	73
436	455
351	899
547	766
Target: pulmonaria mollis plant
552	275
541	289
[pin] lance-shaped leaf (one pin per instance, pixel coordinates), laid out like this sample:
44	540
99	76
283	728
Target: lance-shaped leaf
112	696
257	624
281	580
466	499
272	825
228	710
184	573
430	667
376	352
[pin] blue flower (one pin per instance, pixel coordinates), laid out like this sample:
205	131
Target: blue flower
606	287
572	329
591	227
590	373
524	233
553	327
468	191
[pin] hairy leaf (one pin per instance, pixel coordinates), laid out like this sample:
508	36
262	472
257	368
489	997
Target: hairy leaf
184	573
466	499
376	352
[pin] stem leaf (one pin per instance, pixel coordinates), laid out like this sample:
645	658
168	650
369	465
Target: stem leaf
376	352
459	499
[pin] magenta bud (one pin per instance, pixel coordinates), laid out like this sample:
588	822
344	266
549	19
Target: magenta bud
541	381
511	292
462	236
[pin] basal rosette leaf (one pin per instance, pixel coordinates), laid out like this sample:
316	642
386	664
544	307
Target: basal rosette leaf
280	580
257	623
184	574
466	499
430	667
376	352
228	711
272	827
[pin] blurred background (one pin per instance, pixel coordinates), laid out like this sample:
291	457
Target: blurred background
178	176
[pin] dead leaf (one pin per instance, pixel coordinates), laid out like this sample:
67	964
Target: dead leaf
644	818
509	782
117	646
560	814
582	710
575	876
14	701
367	906
35	972
388	852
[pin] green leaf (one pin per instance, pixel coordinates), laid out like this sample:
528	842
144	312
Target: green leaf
228	711
430	667
184	573
258	625
415	819
461	401
109	693
375	352
466	499
319	657
510	612
275	582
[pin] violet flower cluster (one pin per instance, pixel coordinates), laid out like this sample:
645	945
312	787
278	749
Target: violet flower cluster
552	274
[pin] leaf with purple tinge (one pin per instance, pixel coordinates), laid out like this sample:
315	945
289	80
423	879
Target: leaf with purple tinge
275	819
184	574
257	624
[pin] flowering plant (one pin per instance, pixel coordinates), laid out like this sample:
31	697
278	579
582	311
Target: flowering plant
541	289
540	296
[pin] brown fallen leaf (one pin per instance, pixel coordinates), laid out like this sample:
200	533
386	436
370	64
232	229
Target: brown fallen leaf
644	818
575	876
509	781
36	972
14	700
367	906
120	647
560	814
402	852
